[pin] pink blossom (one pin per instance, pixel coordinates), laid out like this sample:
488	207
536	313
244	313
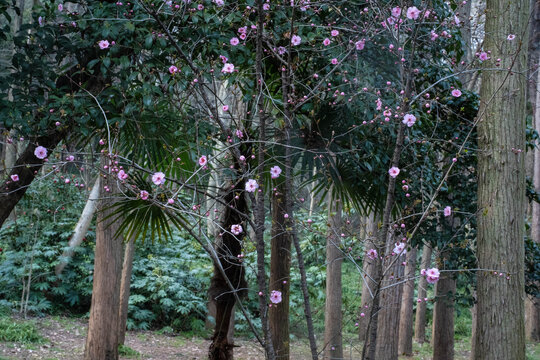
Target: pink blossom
456	93
219	2
423	272
372	254
60	7
360	44
447	211
511	37
144	194
227	68
14	177
251	185
396	12
326	42
275	296
296	40
409	120
158	178
275	171
413	13
432	275
101	142
225	107
379	104
70	158
223	59
122	175
334	33
483	56
242	30
170	201
203	160
173	69
103	44
334	61
399	249
393	172
239	134
236	229
266	6
40	152
234	41
434	35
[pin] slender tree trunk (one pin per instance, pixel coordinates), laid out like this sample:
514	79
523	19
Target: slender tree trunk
333	343
443	318
368	268
532	324
81	228
228	247
102	337
125	283
390	304
406	312
420	320
500	330
280	275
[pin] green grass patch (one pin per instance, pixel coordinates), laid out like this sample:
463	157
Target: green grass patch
128	352
12	330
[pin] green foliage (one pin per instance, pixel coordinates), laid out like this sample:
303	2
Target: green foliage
128	352
36	241
532	268
169	286
19	331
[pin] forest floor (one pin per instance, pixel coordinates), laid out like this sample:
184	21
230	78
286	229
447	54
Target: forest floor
64	339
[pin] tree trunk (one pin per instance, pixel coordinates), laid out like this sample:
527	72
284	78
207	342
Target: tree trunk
81	228
406	312
125	283
420	320
443	318
280	266
102	337
333	343
390	304
500	332
228	247
368	267
532	323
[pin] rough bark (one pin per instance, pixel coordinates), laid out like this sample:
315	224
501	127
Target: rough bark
333	342
532	309
500	330
81	228
420	320
368	286
228	247
102	337
390	304
406	312
125	283
280	275
443	318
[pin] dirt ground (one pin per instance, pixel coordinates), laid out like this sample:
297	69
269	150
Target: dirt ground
65	338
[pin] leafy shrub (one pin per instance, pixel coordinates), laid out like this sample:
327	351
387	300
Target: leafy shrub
18	331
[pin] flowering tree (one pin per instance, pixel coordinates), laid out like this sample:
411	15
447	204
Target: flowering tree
175	93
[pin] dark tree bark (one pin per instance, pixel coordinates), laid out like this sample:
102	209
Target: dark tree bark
500	332
125	283
333	343
420	320
406	312
390	305
368	268
102	337
443	318
228	247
